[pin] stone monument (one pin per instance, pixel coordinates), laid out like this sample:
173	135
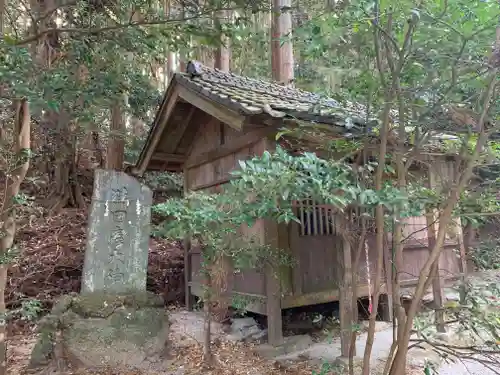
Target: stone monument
114	322
116	257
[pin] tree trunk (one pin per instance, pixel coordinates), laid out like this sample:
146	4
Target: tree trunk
205	55
207	308
281	43
222	53
62	155
8	214
183	54
60	142
97	149
170	67
361	243
287	62
275	41
115	154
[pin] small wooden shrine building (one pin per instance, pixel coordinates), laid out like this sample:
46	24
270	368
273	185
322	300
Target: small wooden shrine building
207	122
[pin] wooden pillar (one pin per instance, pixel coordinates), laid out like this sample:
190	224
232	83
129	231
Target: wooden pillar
346	300
189	300
273	306
273	289
271	237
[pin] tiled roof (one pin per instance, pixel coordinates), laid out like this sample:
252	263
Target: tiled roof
251	96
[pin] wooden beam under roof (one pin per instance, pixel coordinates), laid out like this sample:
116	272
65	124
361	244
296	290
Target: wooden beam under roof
169	102
227	116
164	156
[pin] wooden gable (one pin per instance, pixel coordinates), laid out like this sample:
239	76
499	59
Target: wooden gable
181	118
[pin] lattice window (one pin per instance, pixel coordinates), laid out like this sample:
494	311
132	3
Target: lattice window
315	219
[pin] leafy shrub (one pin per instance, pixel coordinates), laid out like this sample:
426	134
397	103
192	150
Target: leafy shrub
486	255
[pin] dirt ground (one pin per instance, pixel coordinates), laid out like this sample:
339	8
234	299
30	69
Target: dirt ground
229	359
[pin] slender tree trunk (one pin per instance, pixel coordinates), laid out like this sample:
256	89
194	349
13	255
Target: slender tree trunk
2	12
207	308
207	332
445	218
183	54
379	224
397	240
8	214
355	279
495	57
172	56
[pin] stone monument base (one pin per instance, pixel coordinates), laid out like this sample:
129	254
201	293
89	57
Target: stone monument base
96	330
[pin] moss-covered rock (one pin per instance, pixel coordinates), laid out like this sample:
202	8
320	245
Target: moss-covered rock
100	329
48	323
67	319
127	337
96	305
143	300
62	305
101	305
43	350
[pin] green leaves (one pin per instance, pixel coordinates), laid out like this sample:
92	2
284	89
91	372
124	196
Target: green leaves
9	256
264	187
53	106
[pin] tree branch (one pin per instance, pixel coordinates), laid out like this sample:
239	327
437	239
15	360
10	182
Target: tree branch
116	27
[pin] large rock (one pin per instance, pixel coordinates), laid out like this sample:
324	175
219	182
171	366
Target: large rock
99	330
246	329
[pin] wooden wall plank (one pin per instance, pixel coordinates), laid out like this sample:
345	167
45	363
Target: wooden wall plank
212	154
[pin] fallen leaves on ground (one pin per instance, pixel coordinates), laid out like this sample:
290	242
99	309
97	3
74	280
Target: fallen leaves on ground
18	353
230	358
